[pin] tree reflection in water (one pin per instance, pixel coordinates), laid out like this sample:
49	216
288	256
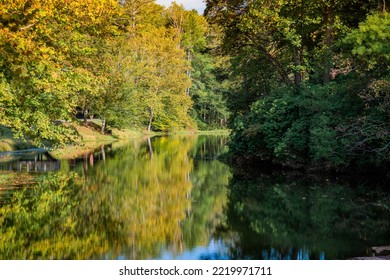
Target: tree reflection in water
277	216
168	198
128	201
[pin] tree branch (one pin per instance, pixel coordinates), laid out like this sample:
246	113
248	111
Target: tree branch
28	26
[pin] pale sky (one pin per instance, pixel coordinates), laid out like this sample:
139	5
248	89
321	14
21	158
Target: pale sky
198	5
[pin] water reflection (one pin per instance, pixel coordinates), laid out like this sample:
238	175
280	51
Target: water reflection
214	250
28	161
161	198
169	198
278	216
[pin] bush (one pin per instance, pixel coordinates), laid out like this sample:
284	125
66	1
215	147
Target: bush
316	125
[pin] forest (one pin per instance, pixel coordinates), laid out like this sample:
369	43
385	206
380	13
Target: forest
302	84
310	81
128	63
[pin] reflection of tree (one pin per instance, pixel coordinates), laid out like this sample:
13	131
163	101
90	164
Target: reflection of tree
130	200
44	223
281	217
209	147
147	194
125	204
209	180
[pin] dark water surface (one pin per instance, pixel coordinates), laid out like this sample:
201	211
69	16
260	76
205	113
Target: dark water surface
170	198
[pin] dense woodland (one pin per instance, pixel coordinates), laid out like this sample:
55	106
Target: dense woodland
299	83
129	63
310	81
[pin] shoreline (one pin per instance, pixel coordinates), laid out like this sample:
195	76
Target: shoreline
90	140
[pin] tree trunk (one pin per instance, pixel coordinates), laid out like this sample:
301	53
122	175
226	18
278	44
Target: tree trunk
297	63
329	23
85	115
133	13
281	70
150	118
103	152
150	148
189	59
103	126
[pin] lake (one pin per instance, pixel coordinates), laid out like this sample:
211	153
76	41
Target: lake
171	198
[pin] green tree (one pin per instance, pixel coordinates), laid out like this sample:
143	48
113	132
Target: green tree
158	76
301	99
33	91
49	49
209	109
207	92
142	12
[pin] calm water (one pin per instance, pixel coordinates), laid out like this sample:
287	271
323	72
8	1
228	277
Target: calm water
170	198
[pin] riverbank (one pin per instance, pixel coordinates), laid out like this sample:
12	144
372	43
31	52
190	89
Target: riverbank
93	142
90	138
225	132
9	143
309	168
378	253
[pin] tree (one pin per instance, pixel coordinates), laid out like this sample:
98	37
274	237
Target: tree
209	109
193	33
158	78
142	12
370	44
302	102
367	47
286	35
49	49
33	91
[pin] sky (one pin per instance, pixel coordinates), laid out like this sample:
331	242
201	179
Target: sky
198	5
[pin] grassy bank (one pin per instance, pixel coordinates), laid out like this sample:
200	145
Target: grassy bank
10	180
9	143
202	132
89	139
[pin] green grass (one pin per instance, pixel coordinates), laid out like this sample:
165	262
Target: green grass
202	132
9	179
5	177
9	143
90	138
